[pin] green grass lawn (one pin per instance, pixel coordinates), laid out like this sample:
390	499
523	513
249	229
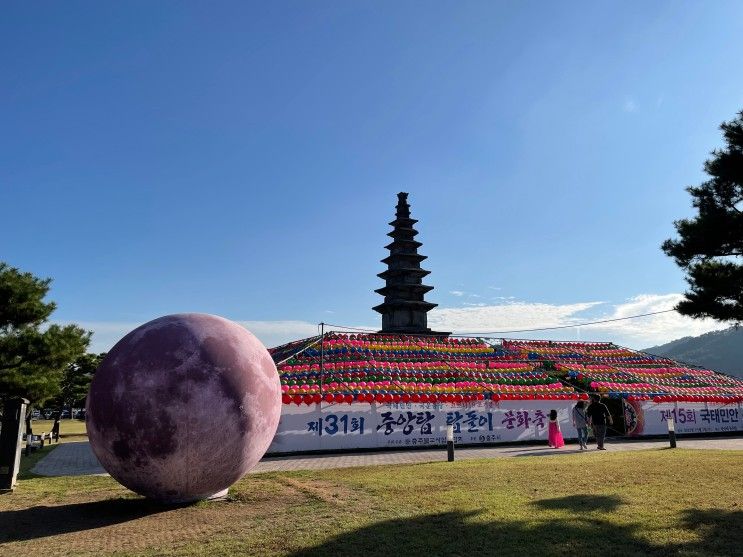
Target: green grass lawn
67	428
656	502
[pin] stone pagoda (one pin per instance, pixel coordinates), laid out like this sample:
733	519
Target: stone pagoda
404	308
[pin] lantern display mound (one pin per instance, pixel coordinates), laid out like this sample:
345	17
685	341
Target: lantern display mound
183	406
383	368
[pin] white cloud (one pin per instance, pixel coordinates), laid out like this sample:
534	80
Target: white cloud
515	315
106	333
654	329
275	333
635	333
629	105
456	292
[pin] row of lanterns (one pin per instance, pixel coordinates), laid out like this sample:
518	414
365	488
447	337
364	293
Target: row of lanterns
442	380
708	398
425	388
413	366
339	398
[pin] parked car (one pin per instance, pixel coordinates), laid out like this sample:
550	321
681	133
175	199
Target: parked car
65	414
80	414
36	414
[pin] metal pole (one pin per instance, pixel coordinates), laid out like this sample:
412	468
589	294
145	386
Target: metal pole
672	432
450	443
322	357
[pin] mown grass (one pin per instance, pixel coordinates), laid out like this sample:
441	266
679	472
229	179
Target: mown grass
28	462
656	502
67	428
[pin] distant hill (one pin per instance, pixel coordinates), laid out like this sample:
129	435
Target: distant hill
718	351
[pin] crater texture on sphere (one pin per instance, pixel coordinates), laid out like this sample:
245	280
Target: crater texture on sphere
183	406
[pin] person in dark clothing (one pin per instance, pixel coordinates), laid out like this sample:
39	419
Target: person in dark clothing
598	416
55	428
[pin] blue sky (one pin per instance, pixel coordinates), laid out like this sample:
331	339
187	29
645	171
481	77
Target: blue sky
242	159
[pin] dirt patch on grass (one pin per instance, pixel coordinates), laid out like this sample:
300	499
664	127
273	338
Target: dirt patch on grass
86	524
332	494
119	525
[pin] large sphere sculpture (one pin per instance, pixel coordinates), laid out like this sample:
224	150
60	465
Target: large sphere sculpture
183	406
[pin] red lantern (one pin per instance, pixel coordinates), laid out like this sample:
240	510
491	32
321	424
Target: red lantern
415	397
316	398
297	399
307	399
329	397
348	398
338	397
406	397
286	399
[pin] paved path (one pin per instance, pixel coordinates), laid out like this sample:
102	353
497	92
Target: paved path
69	459
77	459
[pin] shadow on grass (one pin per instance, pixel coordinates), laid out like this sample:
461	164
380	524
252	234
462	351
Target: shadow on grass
588	531
581	503
547	451
43	521
719	531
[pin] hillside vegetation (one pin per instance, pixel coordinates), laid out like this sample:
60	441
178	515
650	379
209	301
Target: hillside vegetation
718	351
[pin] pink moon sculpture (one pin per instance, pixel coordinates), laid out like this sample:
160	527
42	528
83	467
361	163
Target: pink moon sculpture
183	406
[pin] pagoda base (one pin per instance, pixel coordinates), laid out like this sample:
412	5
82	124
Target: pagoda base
413	331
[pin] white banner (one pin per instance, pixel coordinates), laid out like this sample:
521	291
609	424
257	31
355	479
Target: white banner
650	418
324	426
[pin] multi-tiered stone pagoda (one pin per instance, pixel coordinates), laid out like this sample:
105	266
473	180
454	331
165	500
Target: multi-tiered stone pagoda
404	310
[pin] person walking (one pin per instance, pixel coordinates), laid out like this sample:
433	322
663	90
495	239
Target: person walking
55	428
598	417
580	422
554	435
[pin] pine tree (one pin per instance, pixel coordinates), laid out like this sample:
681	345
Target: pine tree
33	354
76	381
710	245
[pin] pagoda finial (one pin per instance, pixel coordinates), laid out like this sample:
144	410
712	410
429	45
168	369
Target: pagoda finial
404	309
402	211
